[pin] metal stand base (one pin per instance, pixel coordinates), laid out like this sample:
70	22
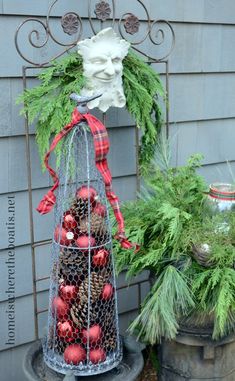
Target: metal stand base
128	369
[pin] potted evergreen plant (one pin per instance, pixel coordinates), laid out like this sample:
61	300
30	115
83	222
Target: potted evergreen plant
190	308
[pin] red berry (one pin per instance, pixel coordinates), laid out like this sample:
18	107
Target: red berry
100	258
74	354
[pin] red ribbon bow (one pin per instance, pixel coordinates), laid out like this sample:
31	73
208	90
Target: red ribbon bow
101	145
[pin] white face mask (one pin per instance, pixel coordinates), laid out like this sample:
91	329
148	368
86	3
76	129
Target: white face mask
102	64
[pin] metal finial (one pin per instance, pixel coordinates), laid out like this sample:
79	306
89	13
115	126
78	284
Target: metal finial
82	102
81	99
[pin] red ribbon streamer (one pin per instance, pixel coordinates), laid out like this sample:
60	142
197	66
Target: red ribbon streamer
101	145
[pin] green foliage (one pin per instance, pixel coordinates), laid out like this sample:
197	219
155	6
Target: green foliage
49	103
170	217
217	231
170	298
142	87
157	220
215	292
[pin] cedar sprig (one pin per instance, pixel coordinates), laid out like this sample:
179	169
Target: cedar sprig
49	105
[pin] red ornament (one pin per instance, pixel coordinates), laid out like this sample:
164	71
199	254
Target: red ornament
100	209
68	292
100	258
69	222
74	354
66	331
107	291
94	334
85	241
97	355
60	307
87	193
63	236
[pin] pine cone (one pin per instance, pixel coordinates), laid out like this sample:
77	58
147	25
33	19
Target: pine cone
72	257
109	324
110	340
98	226
79	311
97	282
72	262
79	208
59	346
110	314
79	314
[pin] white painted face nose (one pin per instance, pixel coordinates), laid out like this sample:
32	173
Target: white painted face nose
109	70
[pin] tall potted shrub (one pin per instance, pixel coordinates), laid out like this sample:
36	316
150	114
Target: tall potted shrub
190	309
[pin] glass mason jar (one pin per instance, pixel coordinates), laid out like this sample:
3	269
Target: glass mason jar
221	200
221	197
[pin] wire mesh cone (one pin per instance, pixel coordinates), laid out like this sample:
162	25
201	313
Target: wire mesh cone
83	333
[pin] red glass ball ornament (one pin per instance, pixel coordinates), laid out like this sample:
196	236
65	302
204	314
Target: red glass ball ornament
63	236
87	193
94	334
65	330
68	292
100	209
69	221
107	291
97	355
100	258
74	354
85	241
60	308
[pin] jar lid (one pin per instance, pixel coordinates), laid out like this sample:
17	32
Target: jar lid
222	191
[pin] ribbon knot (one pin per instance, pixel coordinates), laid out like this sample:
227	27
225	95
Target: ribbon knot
47	203
101	146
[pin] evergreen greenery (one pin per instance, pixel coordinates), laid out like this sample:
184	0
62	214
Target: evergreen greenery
142	87
170	217
49	103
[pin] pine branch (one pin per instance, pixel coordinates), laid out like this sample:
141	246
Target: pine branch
170	298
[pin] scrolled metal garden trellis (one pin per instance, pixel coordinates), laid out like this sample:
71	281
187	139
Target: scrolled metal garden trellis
71	24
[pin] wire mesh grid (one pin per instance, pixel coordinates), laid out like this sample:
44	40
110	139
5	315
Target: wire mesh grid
83	333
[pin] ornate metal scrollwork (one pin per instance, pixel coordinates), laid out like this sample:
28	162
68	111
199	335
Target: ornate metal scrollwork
70	23
132	24
134	29
102	10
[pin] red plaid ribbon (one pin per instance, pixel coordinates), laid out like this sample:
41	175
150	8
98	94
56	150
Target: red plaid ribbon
101	145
